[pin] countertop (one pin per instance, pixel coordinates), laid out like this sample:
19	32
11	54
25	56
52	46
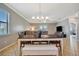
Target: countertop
40	38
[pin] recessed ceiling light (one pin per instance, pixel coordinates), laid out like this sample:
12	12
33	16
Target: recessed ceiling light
33	17
47	17
37	17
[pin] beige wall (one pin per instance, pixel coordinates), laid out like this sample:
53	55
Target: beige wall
51	27
78	29
16	24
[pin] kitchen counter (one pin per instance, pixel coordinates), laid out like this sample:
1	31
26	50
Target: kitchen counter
39	38
43	37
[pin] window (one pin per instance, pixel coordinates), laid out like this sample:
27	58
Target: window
43	27
3	22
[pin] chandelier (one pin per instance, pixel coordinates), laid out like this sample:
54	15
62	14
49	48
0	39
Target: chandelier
40	17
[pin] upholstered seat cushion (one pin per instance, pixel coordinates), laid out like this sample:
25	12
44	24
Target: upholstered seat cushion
40	47
40	50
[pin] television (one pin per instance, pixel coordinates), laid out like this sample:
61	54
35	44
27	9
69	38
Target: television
59	28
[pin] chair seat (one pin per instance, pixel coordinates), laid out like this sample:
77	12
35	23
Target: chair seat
39	47
40	50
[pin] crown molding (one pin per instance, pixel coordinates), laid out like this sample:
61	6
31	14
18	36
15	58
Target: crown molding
16	11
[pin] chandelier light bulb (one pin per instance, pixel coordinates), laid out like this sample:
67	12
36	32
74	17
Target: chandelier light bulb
47	17
37	17
33	17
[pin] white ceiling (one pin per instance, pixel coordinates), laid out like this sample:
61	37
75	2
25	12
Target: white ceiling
55	11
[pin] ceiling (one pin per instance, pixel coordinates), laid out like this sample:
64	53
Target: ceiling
55	11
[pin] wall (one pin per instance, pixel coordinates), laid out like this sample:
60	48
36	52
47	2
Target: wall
16	24
51	27
78	29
